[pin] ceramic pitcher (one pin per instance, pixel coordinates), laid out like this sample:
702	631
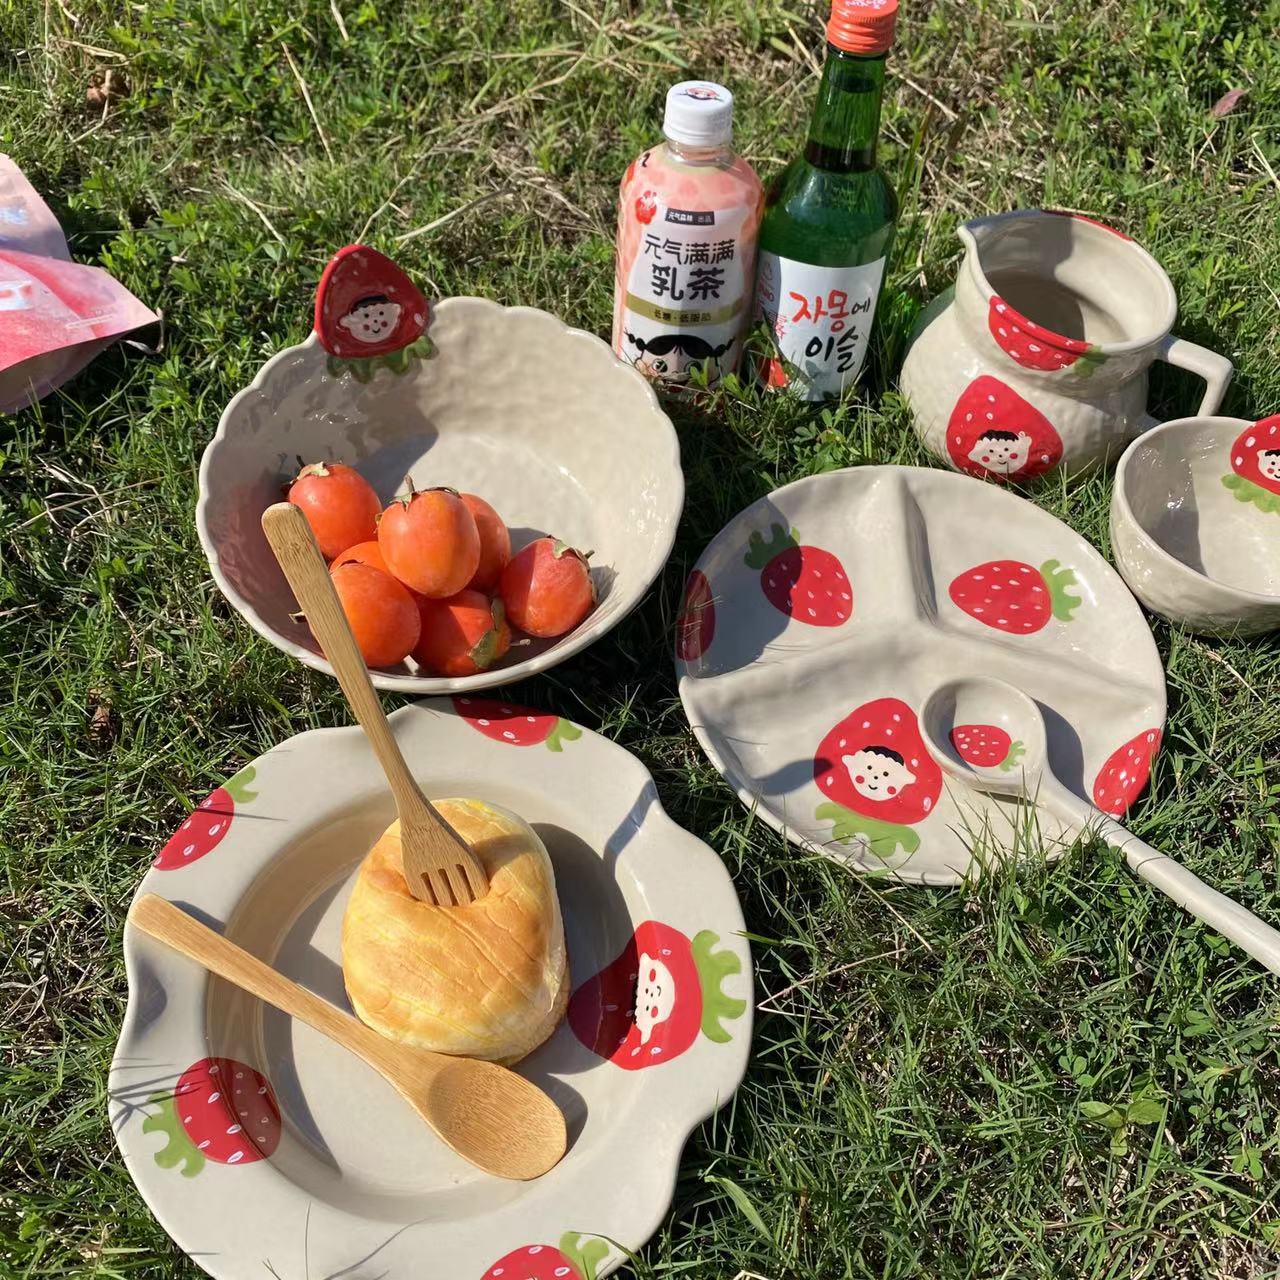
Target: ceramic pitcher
1038	358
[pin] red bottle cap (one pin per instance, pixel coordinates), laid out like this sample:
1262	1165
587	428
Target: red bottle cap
862	26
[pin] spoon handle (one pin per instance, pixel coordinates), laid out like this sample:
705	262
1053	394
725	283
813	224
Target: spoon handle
160	919
1168	875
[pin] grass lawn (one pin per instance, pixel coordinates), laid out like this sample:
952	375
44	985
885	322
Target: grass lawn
927	1064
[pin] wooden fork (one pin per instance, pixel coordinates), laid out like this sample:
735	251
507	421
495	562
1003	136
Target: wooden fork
438	866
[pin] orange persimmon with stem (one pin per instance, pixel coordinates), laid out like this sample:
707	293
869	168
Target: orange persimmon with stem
382	612
547	588
462	635
429	541
339	503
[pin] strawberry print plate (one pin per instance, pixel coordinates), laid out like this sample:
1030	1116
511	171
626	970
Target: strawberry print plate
265	1149
818	620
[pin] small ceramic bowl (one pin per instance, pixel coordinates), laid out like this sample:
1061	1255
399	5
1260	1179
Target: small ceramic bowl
265	1149
540	419
1195	523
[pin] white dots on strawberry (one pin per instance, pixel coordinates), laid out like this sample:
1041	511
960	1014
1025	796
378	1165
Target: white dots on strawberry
207	825
516	726
367	306
1121	779
1255	465
650	1004
994	432
696	626
986	746
878	776
577	1258
220	1110
1014	597
806	583
1033	346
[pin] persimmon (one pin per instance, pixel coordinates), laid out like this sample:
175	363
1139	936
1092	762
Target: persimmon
429	541
382	613
339	503
547	588
362	553
462	635
495	543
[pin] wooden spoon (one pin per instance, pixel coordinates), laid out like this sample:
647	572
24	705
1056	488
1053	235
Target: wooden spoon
438	866
489	1115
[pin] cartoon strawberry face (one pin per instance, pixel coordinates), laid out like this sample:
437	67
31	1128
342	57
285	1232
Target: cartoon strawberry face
649	1005
646	207
696	626
1033	346
986	746
878	776
367	306
1121	779
371	319
207	825
576	1259
517	726
1255	465
806	583
220	1110
994	432
1016	598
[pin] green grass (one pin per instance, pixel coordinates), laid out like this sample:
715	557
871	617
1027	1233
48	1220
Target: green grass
933	1072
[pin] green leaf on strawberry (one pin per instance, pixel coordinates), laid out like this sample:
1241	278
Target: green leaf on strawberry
884	839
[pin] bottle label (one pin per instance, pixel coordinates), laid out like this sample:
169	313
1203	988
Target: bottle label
687	292
821	320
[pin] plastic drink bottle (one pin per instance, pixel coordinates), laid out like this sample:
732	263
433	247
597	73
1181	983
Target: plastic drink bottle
688	214
829	218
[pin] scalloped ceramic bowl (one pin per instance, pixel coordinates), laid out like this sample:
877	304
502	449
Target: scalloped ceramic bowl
312	1164
1195	523
540	419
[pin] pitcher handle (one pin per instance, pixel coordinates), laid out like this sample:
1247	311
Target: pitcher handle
1216	370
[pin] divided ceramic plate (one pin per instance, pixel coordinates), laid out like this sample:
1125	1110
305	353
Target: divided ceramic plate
817	621
264	1148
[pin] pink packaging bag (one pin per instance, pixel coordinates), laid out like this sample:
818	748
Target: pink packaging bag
55	315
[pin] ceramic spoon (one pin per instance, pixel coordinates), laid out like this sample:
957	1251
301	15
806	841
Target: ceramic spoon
489	1115
983	700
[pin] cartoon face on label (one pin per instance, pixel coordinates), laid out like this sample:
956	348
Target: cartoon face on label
1269	463
1002	452
878	773
669	356
371	319
655	995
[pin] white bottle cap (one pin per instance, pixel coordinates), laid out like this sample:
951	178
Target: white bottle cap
699	114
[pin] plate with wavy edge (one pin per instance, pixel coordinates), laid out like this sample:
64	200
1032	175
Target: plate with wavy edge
540	419
256	1142
818	619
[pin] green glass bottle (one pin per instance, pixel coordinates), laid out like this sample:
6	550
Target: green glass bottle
829	218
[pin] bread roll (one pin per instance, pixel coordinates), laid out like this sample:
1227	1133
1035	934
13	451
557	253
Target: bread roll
488	980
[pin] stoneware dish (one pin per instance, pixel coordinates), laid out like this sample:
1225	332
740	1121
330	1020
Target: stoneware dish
818	619
1038	358
1195	523
264	1148
540	419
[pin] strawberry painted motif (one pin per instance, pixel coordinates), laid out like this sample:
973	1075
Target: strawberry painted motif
518	726
806	583
221	1110
1033	346
1255	465
649	1005
986	746
994	432
646	207
1121	779
1016	598
208	823
878	776
696	626
576	1259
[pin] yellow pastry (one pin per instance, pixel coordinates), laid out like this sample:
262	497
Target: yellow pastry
488	980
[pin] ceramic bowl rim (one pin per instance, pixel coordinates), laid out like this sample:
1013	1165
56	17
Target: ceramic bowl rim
1122	507
693	1108
585	635
1092	228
